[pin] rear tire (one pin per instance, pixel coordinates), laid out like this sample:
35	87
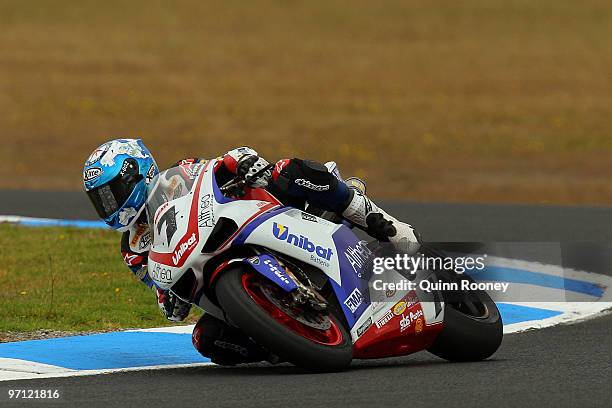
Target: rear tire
466	337
244	311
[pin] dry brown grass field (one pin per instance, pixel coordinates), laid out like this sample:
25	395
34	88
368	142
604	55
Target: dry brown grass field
478	100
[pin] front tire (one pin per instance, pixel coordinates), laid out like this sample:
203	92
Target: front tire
249	302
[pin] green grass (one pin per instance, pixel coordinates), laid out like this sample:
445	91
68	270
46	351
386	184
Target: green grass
478	100
69	279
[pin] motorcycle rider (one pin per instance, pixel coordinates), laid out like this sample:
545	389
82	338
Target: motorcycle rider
116	176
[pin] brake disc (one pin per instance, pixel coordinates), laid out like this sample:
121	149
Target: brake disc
317	321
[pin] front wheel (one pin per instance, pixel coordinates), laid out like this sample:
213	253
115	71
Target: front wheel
473	328
310	339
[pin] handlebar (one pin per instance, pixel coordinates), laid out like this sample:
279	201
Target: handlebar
236	185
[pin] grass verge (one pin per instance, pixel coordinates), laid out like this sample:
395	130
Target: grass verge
69	280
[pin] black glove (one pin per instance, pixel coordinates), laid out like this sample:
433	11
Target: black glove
250	168
172	306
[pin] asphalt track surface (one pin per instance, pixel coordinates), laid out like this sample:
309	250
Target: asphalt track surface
563	366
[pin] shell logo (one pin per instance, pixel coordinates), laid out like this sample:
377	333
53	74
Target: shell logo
399	308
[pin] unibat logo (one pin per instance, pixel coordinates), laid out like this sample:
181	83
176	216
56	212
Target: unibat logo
281	232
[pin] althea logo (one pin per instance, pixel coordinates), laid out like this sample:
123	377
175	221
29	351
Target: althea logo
282	232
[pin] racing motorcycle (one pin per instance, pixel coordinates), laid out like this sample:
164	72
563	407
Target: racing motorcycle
300	282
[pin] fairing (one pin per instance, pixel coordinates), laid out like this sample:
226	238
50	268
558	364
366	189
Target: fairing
182	225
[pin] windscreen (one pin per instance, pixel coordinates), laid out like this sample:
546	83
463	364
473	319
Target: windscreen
169	185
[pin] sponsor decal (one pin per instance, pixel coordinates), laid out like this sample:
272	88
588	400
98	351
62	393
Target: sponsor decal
195	337
139	231
308	217
196	169
276	271
233	347
280	165
205	215
161	274
95	156
126	215
131	259
150	174
399	308
281	232
411	299
358	256
354	300
385	319
254	260
183	247
365	326
418	326
160	211
142	237
145	241
404	323
116	148
124	167
407	320
307	184
92	173
190	168
389	293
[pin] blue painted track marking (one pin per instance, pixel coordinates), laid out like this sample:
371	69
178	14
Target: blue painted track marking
108	350
516	314
512	275
47	222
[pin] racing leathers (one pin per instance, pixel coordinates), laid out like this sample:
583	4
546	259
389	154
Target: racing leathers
294	182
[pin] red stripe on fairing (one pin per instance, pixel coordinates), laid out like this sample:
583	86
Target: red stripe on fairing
166	259
259	194
262	210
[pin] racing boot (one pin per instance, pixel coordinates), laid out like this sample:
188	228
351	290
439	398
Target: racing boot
361	211
227	345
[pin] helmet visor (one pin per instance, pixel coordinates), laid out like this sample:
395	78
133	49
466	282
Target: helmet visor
110	197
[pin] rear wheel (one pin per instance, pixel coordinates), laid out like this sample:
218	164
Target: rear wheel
311	339
473	328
